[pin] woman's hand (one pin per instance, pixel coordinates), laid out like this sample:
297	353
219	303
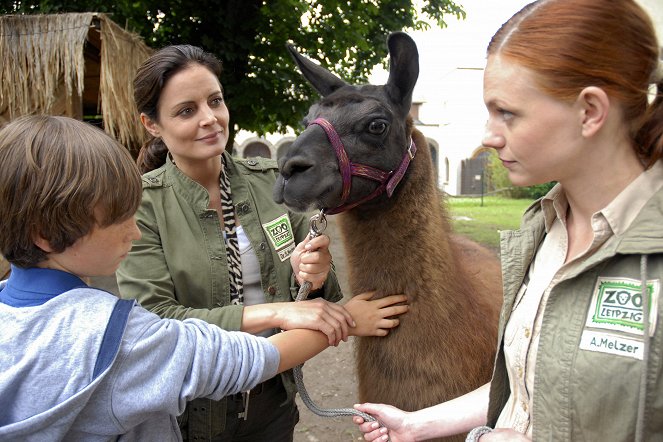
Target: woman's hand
317	314
391	426
311	261
375	317
457	416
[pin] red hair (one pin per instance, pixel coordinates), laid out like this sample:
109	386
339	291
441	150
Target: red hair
572	44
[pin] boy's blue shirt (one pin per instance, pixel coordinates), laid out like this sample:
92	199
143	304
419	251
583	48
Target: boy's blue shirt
49	357
35	286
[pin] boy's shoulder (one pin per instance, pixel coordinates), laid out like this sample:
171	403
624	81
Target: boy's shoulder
89	296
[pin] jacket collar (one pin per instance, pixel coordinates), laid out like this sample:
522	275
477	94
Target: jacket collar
644	235
169	175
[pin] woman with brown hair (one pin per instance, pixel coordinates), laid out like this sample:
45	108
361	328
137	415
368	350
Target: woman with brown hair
215	246
573	91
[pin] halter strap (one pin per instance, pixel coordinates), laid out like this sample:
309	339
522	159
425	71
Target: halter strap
388	180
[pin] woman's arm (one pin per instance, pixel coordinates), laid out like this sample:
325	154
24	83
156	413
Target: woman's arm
358	317
459	415
373	318
317	314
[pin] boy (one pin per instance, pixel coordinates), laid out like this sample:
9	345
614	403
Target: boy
76	363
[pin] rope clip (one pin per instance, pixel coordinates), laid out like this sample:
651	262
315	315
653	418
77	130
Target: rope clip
316	229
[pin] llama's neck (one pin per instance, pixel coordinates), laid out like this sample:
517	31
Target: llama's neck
410	228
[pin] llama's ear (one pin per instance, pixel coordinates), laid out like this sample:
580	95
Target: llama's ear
403	68
320	78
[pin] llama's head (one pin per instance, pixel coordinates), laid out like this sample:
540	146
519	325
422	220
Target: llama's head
370	123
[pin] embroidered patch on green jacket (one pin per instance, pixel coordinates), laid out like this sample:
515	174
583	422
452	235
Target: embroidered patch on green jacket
617	305
279	232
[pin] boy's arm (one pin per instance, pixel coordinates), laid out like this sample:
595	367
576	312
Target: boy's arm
297	346
163	364
372	317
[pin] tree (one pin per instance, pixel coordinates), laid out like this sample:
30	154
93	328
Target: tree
262	86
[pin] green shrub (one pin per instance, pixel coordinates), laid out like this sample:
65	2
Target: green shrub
497	178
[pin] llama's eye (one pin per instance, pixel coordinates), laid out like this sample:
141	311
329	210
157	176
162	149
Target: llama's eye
377	127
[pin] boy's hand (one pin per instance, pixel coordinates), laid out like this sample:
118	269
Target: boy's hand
376	317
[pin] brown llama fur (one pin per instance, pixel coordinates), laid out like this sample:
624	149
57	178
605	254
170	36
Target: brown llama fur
445	344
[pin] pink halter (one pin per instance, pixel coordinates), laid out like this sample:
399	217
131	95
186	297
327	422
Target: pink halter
388	180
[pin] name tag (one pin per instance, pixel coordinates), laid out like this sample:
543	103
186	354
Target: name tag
607	343
279	232
617	307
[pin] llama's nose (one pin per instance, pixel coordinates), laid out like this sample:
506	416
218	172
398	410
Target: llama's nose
295	165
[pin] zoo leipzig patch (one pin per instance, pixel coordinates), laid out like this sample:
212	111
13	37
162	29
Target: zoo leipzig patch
279	232
617	306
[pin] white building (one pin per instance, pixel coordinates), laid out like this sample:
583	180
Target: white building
447	100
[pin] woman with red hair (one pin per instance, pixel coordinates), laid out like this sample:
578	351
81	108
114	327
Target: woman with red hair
573	91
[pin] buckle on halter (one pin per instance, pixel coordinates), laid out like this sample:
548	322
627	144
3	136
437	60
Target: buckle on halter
409	149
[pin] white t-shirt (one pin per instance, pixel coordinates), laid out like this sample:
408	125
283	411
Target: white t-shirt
253	293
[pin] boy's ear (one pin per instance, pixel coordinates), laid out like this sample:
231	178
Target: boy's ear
42	243
150	125
595	105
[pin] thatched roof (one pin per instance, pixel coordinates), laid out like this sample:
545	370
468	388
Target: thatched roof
72	64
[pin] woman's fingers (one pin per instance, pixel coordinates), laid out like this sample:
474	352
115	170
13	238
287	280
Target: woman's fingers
315	262
318	314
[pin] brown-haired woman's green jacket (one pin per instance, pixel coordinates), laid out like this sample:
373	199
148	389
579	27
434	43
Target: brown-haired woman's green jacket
178	269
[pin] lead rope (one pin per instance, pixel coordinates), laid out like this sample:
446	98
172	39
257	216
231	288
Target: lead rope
317	225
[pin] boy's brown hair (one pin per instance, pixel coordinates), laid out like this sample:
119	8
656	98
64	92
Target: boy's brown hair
55	173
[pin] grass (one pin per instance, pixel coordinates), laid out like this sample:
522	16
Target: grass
483	223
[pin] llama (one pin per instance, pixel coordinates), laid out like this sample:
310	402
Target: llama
397	236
